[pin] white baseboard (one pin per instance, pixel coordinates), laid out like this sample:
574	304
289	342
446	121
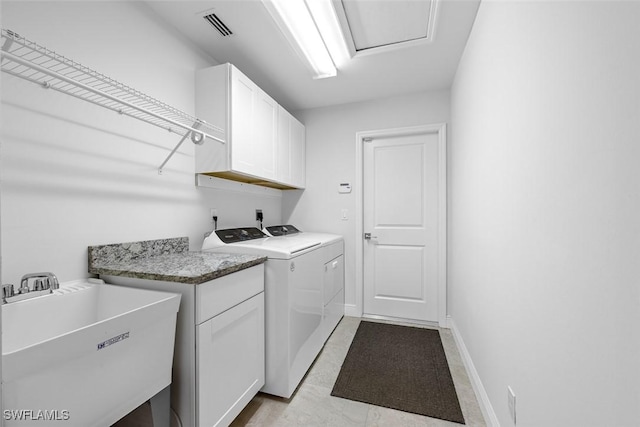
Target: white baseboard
483	399
352	311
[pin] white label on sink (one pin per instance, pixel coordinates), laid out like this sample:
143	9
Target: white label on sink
113	340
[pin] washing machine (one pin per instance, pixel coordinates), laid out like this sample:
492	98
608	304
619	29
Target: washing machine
294	310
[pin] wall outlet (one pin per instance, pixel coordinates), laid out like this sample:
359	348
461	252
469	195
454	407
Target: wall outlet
511	401
212	213
259	216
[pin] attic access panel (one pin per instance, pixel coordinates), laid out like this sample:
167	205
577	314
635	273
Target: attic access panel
374	24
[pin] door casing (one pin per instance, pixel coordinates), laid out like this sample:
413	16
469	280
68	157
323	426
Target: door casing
441	130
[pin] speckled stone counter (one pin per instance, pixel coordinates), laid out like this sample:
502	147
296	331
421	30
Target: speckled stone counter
166	259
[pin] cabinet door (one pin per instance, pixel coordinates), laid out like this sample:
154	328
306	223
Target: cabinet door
229	362
212	103
297	155
265	134
291	150
243	101
253	128
284	146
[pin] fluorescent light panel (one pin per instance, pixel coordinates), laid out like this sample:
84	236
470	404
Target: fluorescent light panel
299	27
326	19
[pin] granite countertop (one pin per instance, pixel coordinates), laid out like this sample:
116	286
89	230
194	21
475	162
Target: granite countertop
166	259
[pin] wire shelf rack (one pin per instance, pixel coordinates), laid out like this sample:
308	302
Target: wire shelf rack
30	61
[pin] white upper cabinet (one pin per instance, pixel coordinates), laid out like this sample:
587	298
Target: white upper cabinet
259	147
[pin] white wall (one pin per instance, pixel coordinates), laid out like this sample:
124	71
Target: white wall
1	398
331	150
74	174
545	210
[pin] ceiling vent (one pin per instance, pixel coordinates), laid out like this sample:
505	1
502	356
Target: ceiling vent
218	24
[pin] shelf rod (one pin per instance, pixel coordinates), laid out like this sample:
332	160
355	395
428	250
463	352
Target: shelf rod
26	63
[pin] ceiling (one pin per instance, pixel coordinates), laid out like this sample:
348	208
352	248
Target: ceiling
261	51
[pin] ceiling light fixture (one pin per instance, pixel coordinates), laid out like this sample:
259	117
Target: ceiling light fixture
326	18
302	29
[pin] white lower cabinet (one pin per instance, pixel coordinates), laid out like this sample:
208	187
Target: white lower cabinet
229	362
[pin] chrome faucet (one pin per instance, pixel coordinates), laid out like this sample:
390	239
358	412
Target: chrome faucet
43	281
43	284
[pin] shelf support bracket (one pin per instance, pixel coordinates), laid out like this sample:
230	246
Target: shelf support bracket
196	137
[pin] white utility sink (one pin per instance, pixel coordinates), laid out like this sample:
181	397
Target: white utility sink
87	354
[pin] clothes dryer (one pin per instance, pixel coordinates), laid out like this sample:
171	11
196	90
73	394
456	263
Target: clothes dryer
332	255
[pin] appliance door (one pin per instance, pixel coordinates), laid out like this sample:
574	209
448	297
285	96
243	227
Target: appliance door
305	312
294	306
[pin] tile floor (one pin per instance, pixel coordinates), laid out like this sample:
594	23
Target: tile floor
313	405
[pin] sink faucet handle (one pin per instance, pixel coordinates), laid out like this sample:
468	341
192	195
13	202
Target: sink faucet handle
40	284
7	292
24	285
53	282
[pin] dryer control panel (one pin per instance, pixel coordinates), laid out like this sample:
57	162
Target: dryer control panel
282	230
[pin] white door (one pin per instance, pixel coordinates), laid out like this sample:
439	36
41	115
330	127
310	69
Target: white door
401	196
